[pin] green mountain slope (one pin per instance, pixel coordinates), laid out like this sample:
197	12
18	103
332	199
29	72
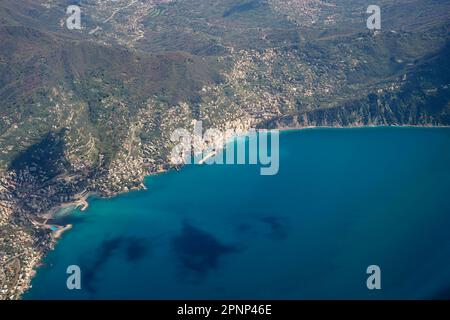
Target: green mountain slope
92	110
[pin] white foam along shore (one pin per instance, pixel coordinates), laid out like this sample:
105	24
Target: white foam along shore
286	129
226	141
361	127
84	204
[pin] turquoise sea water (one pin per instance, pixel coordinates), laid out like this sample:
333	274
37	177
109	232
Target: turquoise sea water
344	199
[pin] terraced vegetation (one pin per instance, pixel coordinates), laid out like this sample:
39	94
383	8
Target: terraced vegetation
84	111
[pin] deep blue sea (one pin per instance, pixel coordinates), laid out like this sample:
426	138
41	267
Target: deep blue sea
344	199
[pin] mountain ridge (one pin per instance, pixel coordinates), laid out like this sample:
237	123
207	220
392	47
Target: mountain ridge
89	113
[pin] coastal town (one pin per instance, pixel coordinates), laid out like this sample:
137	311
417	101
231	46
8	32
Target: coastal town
28	197
93	113
25	236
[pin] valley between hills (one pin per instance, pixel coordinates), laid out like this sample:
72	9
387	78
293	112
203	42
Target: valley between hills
91	111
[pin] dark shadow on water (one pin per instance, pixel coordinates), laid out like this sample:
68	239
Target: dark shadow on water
104	253
133	249
68	219
441	295
274	227
278	227
198	252
243	228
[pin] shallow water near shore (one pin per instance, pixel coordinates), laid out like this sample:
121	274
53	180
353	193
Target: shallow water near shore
344	199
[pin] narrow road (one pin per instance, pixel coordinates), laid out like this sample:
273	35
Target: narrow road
119	9
112	16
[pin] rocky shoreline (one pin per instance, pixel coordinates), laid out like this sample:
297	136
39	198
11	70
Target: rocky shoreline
27	258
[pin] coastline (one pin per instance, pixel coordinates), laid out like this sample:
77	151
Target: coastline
57	229
286	129
294	129
59	232
83	202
